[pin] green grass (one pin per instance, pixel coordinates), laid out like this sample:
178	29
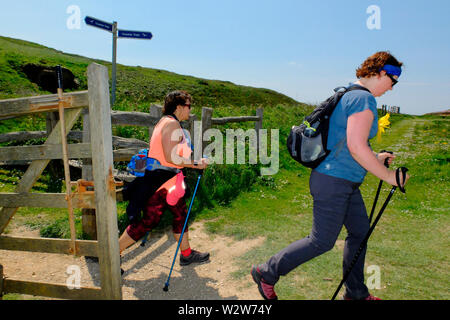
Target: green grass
137	87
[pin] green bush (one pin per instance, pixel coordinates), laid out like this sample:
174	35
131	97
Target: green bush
60	228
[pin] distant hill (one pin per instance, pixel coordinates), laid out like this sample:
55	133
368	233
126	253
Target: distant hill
440	113
26	69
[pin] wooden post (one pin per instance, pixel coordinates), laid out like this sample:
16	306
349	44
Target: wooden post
66	161
258	124
206	123
155	111
192	119
89	225
105	193
1	282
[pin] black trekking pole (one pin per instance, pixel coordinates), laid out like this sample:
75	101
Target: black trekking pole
166	286
372	227
386	164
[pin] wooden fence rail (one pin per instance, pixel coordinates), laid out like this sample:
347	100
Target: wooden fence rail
45	245
136	119
208	121
45	200
29	105
133	119
234	119
52	290
41	152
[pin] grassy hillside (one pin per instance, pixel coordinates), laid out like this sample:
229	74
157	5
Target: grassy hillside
136	86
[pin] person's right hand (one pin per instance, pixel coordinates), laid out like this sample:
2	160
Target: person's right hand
202	164
392	179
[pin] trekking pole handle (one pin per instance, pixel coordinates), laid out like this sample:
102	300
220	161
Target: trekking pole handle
386	161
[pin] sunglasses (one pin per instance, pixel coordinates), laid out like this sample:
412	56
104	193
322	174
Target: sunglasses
394	81
187	105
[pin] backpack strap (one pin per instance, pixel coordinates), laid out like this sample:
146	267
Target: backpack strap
353	87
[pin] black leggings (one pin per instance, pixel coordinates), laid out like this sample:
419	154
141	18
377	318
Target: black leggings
337	202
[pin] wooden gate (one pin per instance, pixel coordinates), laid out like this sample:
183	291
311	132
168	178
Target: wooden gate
103	198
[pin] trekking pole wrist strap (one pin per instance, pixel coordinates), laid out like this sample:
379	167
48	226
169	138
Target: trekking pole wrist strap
397	178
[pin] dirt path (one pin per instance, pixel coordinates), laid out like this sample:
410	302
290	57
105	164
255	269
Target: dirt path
146	268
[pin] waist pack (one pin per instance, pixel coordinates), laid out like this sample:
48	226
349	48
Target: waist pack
307	142
141	162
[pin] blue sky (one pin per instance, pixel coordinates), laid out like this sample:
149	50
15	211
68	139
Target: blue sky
303	49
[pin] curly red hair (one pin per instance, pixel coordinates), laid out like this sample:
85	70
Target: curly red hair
372	65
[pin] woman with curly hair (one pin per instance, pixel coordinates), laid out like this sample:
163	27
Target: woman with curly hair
334	184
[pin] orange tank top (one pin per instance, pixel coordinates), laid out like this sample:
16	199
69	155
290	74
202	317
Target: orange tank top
156	150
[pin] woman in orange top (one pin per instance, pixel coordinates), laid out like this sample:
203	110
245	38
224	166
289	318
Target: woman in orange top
169	146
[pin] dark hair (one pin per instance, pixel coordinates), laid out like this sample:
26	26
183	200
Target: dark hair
373	64
175	98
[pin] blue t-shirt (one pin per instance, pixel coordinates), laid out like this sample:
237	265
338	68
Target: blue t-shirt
340	163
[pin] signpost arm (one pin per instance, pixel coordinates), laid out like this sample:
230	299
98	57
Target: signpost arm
94	22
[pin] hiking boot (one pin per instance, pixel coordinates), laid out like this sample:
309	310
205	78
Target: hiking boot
266	290
369	297
195	256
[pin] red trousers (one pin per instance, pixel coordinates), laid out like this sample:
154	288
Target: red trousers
156	205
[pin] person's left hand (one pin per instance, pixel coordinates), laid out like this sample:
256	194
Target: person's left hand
385	155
